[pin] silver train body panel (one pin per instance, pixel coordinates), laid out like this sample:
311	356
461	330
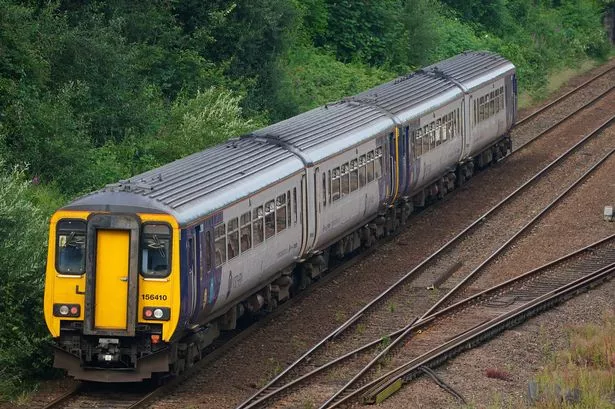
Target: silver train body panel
299	157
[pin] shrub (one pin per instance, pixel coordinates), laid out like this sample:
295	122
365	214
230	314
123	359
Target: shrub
23	335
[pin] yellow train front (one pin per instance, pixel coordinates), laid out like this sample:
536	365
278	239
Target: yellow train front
112	293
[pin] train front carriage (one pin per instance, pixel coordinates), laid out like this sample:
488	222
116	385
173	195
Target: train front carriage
112	292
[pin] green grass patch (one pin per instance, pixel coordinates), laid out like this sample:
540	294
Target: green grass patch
582	375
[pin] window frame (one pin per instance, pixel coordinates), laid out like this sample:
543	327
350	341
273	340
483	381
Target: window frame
223	259
271	212
256	217
242	226
57	246
277	208
170	255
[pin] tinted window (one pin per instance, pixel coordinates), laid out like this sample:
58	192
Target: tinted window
220	244
155	247
70	247
257	225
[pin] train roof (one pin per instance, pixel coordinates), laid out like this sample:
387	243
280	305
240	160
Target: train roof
185	188
203	182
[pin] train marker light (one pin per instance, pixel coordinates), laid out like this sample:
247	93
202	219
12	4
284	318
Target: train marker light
66	310
157	313
155	338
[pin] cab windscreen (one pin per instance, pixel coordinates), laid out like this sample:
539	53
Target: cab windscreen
70	247
155	250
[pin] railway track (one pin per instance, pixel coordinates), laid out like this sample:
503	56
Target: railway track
556	101
82	396
494	310
412	285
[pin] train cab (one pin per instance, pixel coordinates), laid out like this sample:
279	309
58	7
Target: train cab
111	291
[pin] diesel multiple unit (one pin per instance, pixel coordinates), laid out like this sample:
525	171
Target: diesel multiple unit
143	274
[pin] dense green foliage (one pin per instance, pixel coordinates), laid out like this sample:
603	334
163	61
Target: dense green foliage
23	224
92	92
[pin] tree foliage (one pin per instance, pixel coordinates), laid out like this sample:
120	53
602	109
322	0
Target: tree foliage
23	335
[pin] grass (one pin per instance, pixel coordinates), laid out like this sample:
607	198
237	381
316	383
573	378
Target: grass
583	375
555	81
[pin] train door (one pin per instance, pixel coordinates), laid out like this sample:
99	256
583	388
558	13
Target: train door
404	162
111	275
211	274
303	215
467	124
191	268
317	206
393	166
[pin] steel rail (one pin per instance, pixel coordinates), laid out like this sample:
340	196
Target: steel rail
269	389
421	324
332	402
561	121
62	399
567	94
408	329
492	327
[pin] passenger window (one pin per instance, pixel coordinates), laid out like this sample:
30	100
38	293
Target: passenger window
345	179
354	175
335	184
246	232
418	141
257	226
288	207
208	251
362	171
370	166
457	123
220	244
491	105
481	109
233	239
70	247
378	163
329	191
280	213
502	97
324	189
295	203
269	219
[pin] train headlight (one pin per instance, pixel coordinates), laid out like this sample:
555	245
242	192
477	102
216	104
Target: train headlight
156	313
66	310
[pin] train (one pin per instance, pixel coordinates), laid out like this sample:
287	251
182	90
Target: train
144	274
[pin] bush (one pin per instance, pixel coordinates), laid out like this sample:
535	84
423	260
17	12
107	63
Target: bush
24	355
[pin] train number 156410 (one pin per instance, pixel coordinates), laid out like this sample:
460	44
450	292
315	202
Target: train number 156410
151	297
